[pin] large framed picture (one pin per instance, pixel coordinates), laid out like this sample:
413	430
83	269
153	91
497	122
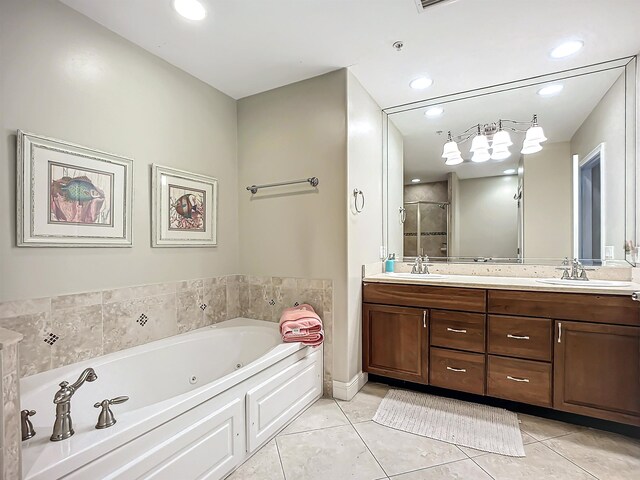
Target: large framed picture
71	196
184	208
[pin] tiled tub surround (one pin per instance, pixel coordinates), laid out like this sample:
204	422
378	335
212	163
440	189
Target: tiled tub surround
10	463
70	328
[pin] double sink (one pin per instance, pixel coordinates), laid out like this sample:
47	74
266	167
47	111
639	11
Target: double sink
549	281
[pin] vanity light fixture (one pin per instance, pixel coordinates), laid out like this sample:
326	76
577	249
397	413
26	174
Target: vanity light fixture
509	171
567	48
415	180
494	137
420	83
434	112
190	9
550	90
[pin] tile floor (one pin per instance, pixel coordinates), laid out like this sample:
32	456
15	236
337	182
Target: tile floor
336	440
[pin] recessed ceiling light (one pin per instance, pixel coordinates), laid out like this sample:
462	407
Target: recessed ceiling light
566	49
421	83
509	171
415	180
190	9
434	112
550	90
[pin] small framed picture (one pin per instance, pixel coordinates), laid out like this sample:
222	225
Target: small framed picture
184	208
71	196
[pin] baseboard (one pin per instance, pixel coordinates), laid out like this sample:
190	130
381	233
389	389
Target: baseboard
348	390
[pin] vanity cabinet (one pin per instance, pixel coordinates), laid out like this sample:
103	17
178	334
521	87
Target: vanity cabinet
572	352
395	342
597	370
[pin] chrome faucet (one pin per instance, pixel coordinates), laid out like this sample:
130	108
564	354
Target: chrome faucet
578	271
420	266
63	427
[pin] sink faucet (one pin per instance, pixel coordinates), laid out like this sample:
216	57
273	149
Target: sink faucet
578	271
63	427
420	266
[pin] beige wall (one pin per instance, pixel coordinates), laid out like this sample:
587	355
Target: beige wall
488	224
606	124
288	133
364	149
64	76
547	202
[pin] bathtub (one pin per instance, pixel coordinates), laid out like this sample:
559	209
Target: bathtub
199	405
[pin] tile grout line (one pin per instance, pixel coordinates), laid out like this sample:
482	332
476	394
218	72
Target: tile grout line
480	467
284	475
567	459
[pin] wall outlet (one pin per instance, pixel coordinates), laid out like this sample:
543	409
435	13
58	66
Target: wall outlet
609	252
383	252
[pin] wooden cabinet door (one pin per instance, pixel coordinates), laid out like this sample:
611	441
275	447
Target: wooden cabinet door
597	370
395	342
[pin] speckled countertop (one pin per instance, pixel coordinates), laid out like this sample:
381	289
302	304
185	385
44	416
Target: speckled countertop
503	283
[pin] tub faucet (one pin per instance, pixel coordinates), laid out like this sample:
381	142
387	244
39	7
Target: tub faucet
63	427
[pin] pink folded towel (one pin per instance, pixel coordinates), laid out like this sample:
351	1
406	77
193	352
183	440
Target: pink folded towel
301	324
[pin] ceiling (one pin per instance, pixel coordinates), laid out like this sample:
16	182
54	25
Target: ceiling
560	116
244	47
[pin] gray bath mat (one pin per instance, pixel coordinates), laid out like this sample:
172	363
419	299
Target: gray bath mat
467	424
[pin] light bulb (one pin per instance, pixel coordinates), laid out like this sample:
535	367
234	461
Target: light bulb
529	147
450	149
566	49
480	156
502	137
190	9
479	142
454	160
500	152
535	134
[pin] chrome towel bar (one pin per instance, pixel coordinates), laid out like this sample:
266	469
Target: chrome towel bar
313	181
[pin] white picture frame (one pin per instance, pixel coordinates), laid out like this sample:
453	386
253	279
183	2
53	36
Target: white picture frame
184	208
68	195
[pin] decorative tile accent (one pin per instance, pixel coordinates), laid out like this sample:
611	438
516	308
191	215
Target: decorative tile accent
142	320
203	306
51	339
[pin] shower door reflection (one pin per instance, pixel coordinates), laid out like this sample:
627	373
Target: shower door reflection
426	229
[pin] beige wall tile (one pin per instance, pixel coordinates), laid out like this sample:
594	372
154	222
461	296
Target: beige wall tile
190	315
76	300
34	353
80	334
11	461
122	329
24	307
215	299
141	291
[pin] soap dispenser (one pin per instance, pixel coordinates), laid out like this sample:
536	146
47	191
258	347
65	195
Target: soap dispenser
390	263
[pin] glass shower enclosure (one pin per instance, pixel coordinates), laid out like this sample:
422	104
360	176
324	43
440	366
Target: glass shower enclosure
426	229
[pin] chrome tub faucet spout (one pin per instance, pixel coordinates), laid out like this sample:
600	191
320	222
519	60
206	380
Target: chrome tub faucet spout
63	426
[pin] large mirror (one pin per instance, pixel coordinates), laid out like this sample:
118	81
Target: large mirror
531	171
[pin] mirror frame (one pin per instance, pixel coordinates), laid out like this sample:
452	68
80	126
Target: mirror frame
632	136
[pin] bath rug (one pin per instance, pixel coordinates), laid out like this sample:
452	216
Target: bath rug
482	427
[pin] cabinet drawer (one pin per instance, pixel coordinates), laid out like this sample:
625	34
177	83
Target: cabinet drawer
520	337
423	296
519	380
457	370
584	307
459	330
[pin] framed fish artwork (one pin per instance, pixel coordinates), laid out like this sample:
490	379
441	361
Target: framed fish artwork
71	196
184	208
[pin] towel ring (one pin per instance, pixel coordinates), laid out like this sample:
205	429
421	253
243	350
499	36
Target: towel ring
403	214
356	193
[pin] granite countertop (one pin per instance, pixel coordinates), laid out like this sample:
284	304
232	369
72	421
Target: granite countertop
503	283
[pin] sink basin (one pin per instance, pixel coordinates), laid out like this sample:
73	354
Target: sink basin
582	283
422	276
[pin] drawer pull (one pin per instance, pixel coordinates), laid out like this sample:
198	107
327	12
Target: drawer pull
516	379
456	330
518	337
424	319
463	370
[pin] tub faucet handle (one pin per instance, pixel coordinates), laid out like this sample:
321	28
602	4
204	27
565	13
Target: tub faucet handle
26	425
106	418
